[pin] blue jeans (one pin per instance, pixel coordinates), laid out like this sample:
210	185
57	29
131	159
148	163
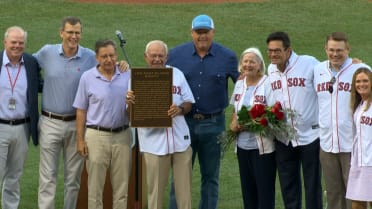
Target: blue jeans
205	145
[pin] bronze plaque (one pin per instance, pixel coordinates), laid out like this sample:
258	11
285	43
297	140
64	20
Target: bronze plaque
153	91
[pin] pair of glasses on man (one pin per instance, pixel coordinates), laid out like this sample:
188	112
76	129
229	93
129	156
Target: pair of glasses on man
330	86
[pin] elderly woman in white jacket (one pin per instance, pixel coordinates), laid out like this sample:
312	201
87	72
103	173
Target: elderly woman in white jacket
256	156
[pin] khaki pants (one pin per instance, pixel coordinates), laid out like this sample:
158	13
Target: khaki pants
13	153
57	137
108	151
336	168
157	170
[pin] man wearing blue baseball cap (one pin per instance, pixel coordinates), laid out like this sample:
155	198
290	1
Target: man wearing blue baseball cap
202	22
207	66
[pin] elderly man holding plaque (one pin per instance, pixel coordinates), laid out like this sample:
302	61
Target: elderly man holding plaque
103	136
168	147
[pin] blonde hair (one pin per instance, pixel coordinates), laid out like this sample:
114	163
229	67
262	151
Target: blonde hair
258	54
355	97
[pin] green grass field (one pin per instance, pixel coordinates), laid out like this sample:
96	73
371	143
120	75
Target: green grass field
238	26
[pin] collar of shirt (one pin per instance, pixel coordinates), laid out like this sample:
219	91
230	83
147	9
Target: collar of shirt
77	55
291	59
211	50
6	61
97	74
346	63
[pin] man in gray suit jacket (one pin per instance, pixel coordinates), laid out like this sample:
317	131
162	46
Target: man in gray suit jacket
20	82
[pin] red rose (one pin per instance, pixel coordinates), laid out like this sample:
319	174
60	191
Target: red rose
257	110
279	115
274	110
277	106
263	122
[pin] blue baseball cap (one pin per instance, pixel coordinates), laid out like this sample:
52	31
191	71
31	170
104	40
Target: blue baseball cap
202	22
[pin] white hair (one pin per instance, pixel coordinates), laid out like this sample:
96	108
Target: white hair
258	54
157	42
15	28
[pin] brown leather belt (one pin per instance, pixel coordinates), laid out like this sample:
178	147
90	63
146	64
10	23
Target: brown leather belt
111	130
201	116
15	121
59	117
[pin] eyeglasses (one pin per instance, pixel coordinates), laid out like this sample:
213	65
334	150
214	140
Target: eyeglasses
330	84
275	51
106	56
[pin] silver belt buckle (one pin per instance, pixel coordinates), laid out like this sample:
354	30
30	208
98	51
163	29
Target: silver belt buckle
198	116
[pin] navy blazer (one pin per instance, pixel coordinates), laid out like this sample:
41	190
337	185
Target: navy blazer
34	85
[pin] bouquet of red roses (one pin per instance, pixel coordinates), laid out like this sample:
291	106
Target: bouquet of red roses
263	120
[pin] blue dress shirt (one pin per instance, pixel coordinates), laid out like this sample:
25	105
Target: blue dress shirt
207	76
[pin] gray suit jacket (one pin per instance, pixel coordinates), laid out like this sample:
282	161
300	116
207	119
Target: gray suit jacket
34	85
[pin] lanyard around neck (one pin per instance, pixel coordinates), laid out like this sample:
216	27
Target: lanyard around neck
12	84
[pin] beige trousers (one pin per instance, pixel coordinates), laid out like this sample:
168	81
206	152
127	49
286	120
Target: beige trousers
335	167
157	171
58	138
108	151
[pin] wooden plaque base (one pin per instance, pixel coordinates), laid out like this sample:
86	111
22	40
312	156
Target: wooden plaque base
135	198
